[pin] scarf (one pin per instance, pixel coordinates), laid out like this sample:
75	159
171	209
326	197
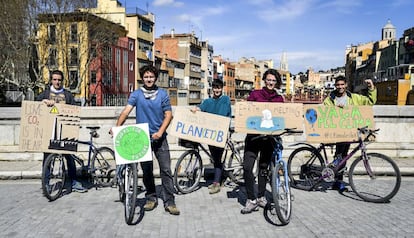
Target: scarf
56	91
150	93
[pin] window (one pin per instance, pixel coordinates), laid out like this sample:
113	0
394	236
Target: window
74	32
93	76
52	34
73	79
73	60
52	57
145	26
131	46
131	66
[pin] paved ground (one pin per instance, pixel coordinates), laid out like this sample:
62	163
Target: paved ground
24	212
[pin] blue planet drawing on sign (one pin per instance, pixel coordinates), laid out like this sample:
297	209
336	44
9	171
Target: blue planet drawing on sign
311	116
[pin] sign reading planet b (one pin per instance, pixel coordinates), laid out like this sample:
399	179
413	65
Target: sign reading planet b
132	143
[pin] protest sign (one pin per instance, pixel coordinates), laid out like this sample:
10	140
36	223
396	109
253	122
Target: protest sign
267	118
326	124
132	143
52	129
202	127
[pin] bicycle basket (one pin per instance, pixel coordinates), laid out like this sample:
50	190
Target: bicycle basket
187	143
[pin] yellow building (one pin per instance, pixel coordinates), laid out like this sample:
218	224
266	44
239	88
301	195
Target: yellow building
65	42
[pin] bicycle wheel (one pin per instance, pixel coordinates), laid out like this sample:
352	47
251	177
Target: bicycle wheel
188	171
304	167
376	179
281	194
53	176
234	167
131	187
103	166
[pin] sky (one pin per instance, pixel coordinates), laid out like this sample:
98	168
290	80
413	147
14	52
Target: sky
313	33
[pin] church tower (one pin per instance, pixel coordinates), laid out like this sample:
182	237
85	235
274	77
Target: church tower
388	31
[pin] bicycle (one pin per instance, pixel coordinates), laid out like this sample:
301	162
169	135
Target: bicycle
278	180
189	167
373	177
100	166
127	177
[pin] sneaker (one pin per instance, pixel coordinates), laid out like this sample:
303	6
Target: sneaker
251	206
215	188
262	202
340	186
150	204
77	187
172	209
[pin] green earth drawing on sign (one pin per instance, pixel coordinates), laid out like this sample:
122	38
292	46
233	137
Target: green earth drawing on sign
132	143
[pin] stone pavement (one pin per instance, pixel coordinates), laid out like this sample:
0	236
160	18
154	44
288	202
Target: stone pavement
24	212
32	169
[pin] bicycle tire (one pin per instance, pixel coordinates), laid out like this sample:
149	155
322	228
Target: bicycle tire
188	171
103	167
131	189
234	166
380	188
53	176
281	194
305	166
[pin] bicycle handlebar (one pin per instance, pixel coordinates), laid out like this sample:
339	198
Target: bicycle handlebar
364	130
285	131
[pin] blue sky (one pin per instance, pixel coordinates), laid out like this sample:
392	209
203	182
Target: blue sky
313	33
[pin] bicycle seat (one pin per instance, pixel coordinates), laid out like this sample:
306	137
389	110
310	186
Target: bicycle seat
93	127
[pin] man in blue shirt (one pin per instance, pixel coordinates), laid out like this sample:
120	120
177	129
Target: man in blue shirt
153	107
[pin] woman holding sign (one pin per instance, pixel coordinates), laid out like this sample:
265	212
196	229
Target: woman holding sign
341	97
219	104
269	93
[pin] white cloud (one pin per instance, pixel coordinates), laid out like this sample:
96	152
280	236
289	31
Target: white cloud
161	3
287	10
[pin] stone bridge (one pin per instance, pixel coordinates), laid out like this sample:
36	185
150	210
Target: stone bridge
395	139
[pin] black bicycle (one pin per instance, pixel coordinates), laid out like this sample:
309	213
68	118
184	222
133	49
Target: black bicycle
100	167
374	177
127	177
189	167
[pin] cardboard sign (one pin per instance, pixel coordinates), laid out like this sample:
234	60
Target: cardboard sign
326	124
267	118
132	143
202	127
49	129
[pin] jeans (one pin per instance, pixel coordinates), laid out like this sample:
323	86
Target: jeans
162	153
217	153
251	151
341	149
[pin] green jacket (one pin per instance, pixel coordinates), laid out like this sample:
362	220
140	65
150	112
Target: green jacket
353	98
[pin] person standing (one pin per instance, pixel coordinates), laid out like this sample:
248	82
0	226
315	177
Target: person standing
269	93
219	104
57	94
153	107
341	97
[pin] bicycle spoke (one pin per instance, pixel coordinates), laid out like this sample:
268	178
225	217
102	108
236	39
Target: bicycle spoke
188	171
376	179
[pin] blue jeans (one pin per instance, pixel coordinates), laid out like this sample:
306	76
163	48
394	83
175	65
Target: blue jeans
162	153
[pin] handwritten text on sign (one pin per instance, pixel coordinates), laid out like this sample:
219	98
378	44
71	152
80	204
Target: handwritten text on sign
202	127
49	129
334	124
267	118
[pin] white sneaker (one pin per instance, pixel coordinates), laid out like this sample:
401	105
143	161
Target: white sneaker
251	206
262	202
